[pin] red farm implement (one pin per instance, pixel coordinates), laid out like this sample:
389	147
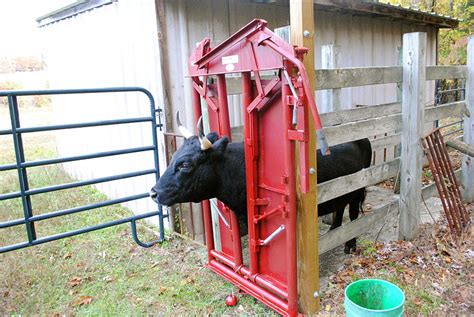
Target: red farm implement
276	118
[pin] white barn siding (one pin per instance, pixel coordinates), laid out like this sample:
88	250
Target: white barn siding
113	45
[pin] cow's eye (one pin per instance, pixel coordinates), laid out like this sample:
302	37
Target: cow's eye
184	166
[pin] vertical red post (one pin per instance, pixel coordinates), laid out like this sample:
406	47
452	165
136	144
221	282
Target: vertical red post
250	132
289	152
224	129
206	208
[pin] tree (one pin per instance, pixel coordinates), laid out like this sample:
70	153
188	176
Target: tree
452	42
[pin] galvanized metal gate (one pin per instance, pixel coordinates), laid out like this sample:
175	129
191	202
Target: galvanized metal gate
21	165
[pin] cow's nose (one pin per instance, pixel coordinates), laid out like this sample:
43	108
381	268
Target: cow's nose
153	194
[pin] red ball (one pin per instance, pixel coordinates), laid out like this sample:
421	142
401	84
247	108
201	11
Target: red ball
231	300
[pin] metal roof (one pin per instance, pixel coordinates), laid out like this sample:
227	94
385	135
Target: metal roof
76	7
397	12
365	7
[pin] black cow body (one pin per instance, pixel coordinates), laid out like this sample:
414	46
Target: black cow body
195	175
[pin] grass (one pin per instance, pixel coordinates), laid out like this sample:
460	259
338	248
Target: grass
103	272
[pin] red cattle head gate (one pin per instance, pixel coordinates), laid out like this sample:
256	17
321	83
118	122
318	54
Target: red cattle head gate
276	118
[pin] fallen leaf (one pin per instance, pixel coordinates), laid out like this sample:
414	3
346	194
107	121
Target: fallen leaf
328	307
83	300
74	281
161	290
6	293
417	301
68	255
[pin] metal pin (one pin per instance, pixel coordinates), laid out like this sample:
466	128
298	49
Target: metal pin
273	235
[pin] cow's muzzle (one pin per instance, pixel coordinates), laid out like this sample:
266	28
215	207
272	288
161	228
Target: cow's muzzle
154	195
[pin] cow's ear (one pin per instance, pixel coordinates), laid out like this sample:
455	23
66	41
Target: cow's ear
212	137
220	145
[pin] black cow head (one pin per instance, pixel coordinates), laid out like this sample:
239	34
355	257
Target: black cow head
192	173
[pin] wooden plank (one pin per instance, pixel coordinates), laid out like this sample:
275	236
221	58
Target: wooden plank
302	20
445	72
386	142
366	128
346	184
357	76
362	129
364	76
371	112
453	109
413	96
353	229
461	147
164	86
467	178
359	114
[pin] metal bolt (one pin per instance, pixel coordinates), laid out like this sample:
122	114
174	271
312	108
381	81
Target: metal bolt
306	33
312	171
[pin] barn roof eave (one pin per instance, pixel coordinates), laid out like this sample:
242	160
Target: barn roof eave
75	8
376	8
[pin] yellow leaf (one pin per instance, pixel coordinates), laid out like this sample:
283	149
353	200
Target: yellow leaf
83	300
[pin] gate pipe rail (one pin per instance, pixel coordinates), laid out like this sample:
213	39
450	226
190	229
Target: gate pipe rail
76	158
21	166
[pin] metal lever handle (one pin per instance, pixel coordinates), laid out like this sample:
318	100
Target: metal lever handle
274	234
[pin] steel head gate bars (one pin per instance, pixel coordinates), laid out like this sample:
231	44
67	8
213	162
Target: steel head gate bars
276	118
21	166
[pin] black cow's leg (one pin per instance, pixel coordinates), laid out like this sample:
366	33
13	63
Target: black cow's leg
355	206
337	221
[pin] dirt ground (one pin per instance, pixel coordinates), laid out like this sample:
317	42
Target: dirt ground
435	272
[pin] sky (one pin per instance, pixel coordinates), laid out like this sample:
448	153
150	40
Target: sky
19	34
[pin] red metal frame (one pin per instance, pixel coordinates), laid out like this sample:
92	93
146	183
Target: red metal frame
269	140
446	183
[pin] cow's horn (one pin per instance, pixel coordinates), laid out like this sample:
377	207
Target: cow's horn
205	143
182	129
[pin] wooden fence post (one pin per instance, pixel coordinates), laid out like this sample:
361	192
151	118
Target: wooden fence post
302	34
413	96
467	173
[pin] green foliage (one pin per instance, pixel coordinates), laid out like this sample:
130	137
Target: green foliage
452	42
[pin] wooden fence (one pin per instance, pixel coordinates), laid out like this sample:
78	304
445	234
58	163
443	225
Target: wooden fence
404	122
408	116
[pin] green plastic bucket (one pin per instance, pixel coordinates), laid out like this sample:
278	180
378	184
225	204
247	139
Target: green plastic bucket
373	297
